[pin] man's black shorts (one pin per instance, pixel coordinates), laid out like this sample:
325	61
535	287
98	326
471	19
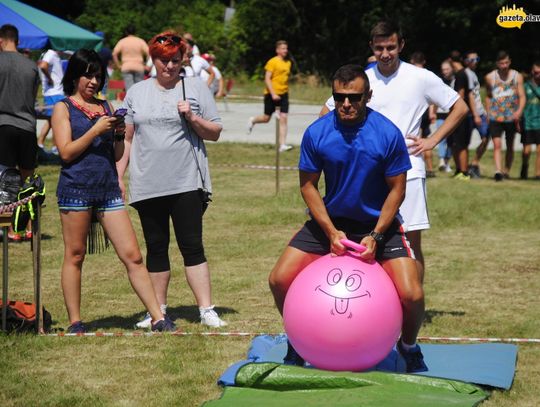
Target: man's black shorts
531	137
460	137
18	148
311	238
425	124
270	105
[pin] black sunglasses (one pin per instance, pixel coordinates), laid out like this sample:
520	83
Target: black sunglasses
353	97
173	38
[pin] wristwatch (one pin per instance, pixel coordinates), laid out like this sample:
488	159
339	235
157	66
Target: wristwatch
378	237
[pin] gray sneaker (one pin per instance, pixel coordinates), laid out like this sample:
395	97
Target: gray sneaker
474	171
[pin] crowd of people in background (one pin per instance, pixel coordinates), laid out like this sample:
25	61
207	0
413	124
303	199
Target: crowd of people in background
511	105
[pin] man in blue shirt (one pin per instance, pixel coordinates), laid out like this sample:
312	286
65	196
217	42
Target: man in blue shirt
365	163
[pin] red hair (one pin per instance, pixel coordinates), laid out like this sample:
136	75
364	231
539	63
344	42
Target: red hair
167	49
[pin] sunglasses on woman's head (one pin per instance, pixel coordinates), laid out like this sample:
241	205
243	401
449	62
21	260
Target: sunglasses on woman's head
164	38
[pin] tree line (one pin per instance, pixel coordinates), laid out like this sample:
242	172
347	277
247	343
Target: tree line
322	34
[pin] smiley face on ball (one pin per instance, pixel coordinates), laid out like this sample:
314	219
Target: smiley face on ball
342	288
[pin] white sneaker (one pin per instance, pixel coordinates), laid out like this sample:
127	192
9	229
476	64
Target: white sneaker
250	125
210	317
284	147
146	322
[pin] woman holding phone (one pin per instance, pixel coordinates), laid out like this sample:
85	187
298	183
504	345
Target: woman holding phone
90	139
168	120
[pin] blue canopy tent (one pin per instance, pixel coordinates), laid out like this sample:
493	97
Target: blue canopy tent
38	30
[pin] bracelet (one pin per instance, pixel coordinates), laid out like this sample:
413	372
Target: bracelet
119	136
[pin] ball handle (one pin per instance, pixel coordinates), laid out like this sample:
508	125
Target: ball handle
353	245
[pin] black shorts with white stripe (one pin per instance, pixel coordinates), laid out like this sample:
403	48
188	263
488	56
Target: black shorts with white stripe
312	239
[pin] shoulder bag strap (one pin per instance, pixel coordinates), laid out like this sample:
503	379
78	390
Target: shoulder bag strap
190	137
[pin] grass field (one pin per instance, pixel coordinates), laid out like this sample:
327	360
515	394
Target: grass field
482	280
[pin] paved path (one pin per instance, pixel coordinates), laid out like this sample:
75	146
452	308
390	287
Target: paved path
235	120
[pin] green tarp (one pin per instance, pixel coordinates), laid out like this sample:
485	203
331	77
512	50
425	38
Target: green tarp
273	384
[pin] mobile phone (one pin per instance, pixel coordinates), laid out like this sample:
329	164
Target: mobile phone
120	112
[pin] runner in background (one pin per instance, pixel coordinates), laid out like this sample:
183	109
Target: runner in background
276	93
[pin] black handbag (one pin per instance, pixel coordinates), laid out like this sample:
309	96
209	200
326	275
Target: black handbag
10	183
204	194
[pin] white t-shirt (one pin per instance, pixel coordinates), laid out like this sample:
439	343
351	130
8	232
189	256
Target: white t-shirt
403	97
214	87
55	70
474	85
198	64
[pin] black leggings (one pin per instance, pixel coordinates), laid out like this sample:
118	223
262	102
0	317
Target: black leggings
186	212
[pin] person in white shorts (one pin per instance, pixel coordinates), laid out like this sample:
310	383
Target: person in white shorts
402	92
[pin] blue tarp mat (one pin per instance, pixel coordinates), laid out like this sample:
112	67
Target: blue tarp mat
489	364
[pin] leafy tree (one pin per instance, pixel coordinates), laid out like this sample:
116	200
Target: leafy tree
203	18
259	24
322	34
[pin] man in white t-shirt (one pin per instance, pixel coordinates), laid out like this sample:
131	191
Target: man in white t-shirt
402	92
51	74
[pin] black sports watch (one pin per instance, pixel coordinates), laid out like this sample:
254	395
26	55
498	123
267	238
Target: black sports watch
378	237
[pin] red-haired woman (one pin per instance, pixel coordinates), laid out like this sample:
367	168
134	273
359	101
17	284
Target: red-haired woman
168	119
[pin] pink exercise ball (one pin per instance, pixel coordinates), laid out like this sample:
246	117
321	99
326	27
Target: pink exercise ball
342	313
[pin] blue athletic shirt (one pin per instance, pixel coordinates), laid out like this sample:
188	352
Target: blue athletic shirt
355	161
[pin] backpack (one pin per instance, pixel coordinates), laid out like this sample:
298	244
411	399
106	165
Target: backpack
21	317
24	213
10	182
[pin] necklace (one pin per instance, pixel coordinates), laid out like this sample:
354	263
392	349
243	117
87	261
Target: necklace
90	114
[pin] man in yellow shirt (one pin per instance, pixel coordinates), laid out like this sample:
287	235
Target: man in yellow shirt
276	79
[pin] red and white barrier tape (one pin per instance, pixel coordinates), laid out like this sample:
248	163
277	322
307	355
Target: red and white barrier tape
242	334
458	339
10	207
257	167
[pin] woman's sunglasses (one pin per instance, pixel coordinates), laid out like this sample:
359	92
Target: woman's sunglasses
173	38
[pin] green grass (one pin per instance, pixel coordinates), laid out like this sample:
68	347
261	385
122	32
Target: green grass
482	280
